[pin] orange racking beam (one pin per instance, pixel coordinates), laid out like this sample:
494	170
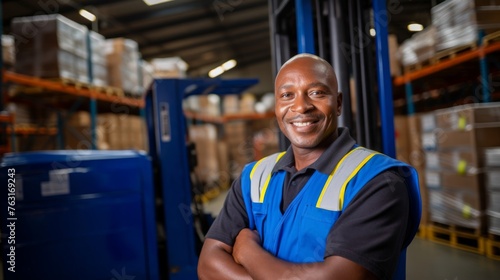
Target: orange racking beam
68	89
445	64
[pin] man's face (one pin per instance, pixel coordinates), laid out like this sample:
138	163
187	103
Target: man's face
307	103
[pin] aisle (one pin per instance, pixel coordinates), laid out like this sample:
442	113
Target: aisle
432	261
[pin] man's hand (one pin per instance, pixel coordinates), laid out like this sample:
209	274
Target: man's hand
245	241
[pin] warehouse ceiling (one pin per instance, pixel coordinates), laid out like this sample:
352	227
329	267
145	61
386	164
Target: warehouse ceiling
204	33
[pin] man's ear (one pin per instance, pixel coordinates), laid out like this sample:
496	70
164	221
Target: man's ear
339	103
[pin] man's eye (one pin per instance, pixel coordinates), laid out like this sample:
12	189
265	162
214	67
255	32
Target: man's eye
286	95
316	93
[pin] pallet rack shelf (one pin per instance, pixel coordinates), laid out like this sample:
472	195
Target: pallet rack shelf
73	92
86	91
442	72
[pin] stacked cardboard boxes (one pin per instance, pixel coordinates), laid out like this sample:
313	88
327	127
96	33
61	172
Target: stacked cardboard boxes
123	59
123	132
492	163
454	162
113	132
51	46
8	51
169	67
416	158
212	169
239	140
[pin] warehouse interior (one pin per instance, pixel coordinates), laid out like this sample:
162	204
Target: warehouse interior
123	123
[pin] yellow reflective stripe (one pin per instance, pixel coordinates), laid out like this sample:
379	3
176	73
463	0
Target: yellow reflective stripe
255	167
268	178
325	186
353	173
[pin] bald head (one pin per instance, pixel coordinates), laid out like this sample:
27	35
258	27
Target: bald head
310	62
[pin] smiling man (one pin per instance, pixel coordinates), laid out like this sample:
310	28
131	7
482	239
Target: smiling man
324	209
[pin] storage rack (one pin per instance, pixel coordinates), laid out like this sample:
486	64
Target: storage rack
472	59
75	93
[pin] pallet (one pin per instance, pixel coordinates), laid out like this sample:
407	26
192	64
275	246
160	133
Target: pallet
19	89
440	56
490	38
465	241
493	247
421	232
458	228
72	82
453	52
110	91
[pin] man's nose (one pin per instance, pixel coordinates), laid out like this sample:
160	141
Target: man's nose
301	104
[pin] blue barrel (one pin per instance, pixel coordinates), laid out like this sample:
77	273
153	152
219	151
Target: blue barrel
78	215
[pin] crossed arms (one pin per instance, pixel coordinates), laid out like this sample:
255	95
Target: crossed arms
248	260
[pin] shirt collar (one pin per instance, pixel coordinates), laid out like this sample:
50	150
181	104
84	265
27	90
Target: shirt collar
328	160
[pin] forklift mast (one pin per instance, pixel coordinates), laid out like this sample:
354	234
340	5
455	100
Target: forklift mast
170	153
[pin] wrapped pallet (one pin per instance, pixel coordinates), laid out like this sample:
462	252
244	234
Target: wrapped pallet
169	67
123	65
51	46
420	47
455	169
99	60
8	51
492	163
458	22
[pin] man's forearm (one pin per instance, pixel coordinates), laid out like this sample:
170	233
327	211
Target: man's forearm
216	262
260	264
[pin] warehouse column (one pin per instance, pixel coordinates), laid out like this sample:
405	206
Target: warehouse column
336	19
305	27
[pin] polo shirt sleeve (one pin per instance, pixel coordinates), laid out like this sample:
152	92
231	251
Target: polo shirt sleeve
232	217
372	229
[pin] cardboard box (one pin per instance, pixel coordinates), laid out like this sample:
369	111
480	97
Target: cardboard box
459	161
123	65
205	139
393	57
493	180
111	126
8	50
169	67
402	138
468	116
493	201
51	46
457	207
452	180
494	223
474	138
80	137
491	157
79	118
417	153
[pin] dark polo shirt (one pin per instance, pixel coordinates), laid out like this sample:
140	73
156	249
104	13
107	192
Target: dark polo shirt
370	231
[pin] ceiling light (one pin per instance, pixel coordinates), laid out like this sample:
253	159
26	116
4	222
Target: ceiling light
222	68
373	32
215	72
415	27
88	15
229	64
155	2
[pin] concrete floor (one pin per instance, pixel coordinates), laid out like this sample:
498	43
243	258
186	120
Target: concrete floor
427	260
430	260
